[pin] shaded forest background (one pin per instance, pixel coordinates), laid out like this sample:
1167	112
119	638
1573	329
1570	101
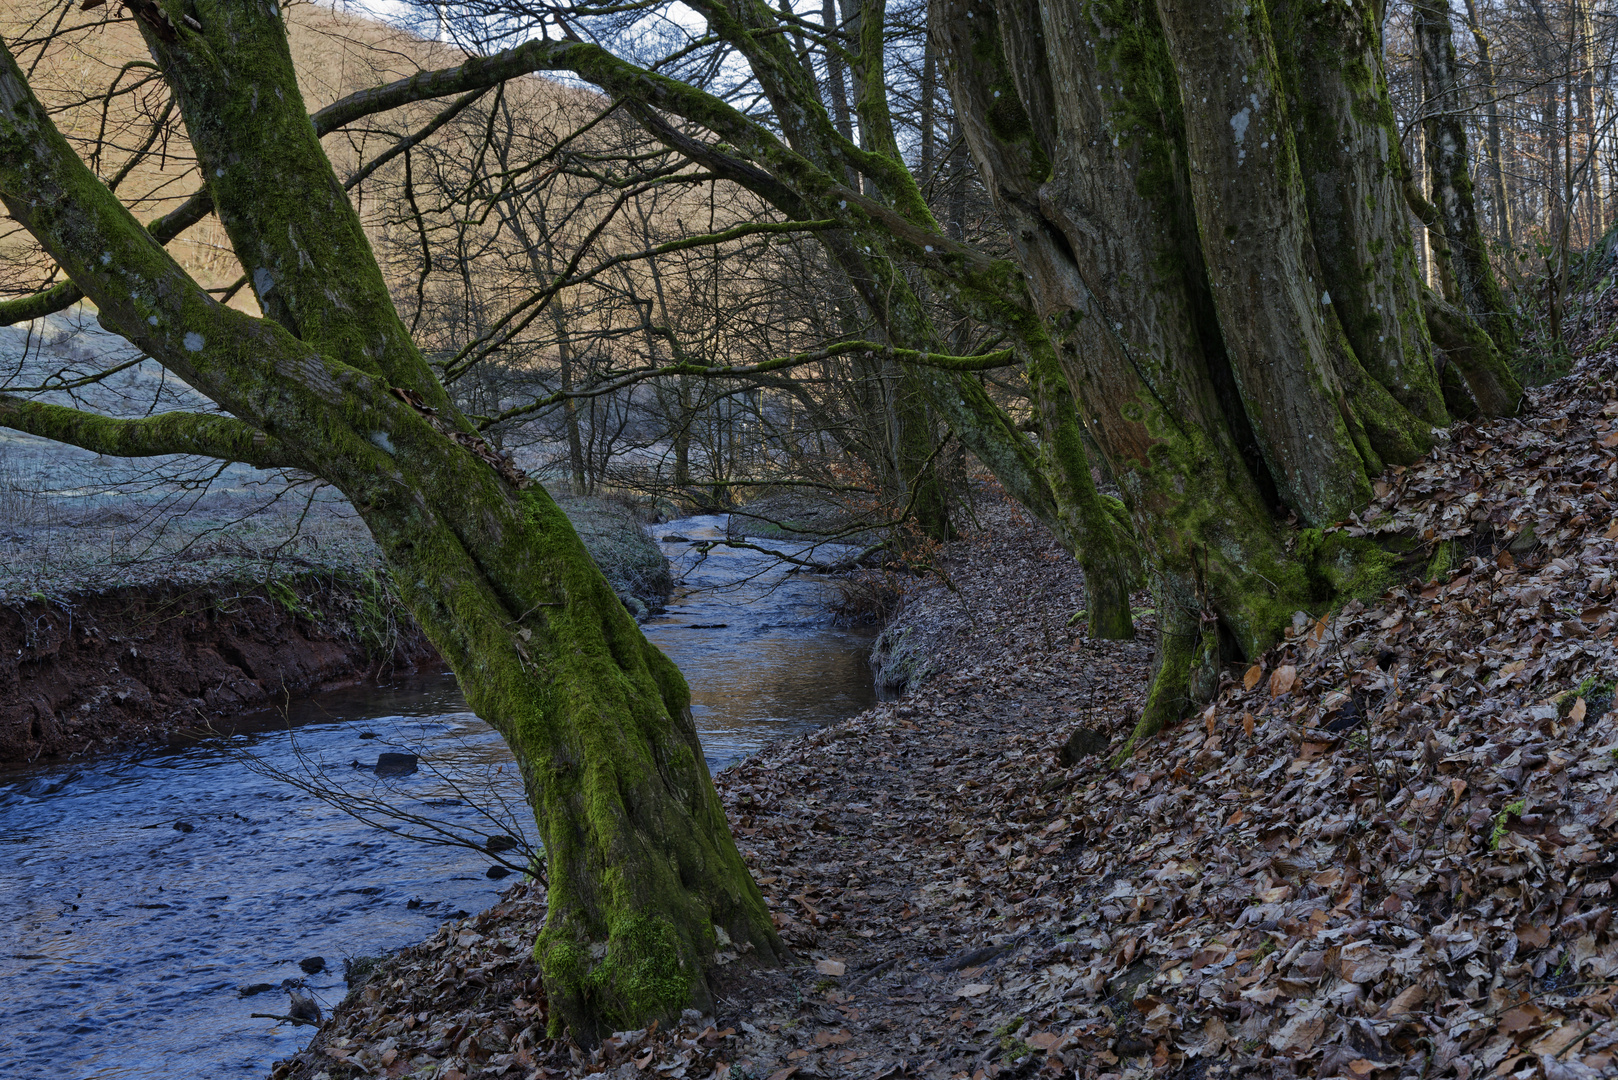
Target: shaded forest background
553	260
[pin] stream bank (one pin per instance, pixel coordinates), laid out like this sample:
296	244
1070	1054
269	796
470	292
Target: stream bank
89	673
1384	850
143	888
176	643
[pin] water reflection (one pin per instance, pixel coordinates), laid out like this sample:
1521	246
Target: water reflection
755	642
124	940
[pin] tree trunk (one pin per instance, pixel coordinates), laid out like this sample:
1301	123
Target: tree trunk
1491	112
570	406
1330	56
836	81
1589	135
641	864
1174	250
1467	251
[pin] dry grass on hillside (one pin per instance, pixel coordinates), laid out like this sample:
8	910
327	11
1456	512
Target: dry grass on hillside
76	59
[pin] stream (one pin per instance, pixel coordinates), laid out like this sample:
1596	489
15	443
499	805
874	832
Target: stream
140	891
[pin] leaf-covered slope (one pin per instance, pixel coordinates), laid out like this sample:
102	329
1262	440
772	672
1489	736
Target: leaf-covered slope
1387	850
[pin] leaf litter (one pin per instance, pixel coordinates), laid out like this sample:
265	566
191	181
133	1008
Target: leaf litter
1387	848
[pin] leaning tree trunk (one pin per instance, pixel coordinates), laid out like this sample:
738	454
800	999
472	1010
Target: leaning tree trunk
1238	308
642	868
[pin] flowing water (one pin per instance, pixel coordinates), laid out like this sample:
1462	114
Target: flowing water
140	891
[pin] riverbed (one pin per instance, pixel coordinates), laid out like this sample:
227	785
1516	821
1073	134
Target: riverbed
140	892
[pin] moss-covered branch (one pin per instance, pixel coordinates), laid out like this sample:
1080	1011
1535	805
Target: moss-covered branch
65	294
221	437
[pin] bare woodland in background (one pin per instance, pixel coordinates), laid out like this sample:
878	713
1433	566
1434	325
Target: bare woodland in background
559	264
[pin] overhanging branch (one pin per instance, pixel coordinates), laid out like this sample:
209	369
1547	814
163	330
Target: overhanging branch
222	437
939	361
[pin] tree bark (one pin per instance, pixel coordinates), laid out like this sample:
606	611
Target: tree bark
1491	112
1348	148
1171	246
641	864
1467	251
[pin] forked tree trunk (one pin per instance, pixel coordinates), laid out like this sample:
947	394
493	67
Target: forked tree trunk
1238	303
642	868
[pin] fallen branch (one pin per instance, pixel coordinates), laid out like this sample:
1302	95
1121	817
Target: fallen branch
286	1019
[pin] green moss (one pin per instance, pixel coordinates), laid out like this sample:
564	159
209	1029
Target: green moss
1502	819
1007	120
640	976
1442	562
1343	567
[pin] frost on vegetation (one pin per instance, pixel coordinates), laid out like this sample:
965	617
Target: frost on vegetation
72	521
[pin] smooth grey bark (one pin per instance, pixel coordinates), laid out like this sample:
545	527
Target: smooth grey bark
1467	255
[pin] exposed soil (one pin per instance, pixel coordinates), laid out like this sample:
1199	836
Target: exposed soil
95	672
1386	849
106	654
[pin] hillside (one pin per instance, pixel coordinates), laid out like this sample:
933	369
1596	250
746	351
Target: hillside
1385	850
336	53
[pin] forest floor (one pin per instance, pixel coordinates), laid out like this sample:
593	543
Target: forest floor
1387	848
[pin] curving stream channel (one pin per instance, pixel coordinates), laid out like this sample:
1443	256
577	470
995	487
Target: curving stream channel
139	892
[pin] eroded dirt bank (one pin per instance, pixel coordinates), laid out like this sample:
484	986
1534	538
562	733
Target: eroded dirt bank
94	672
109	654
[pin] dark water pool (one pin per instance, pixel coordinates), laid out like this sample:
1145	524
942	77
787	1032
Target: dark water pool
123	941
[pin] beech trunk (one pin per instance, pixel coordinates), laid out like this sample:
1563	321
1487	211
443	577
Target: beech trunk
643	873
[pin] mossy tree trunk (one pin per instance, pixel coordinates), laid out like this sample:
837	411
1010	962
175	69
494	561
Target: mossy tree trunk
642	868
1207	200
1466	253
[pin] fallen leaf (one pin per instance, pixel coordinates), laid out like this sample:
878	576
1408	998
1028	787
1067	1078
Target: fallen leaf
1254	674
1362	962
830	967
1282	679
972	990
